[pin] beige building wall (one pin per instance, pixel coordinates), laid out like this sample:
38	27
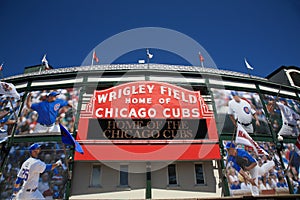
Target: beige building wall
110	177
186	177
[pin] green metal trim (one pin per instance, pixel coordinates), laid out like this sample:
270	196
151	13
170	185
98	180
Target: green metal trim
77	117
222	161
148	193
32	138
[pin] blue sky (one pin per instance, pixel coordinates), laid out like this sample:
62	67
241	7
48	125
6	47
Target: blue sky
266	32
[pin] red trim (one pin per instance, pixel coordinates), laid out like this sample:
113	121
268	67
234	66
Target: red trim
158	152
212	129
82	129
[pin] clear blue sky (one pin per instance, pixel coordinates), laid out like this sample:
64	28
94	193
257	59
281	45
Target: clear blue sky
266	32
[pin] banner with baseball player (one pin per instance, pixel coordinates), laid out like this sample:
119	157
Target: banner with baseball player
9	90
9	107
253	168
240	107
44	110
290	153
35	171
284	115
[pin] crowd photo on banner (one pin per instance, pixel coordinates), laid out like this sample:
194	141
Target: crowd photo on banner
255	167
52	184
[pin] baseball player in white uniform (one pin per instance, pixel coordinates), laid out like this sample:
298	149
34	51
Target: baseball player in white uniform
240	111
27	181
289	119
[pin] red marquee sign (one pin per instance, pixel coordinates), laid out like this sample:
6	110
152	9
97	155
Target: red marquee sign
147	99
139	109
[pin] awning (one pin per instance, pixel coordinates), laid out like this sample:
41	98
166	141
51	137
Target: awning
149	152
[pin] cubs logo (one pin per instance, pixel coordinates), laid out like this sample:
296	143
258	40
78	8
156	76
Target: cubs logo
246	110
56	106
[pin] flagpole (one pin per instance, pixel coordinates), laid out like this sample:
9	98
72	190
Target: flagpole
67	161
290	161
10	141
295	152
2	77
249	67
93	58
249	73
69	173
13	109
225	170
148	59
201	59
273	104
279	150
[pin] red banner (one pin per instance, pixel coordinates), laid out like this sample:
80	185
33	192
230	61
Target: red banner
147	120
147	99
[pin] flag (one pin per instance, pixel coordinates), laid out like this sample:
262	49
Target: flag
95	58
67	138
297	145
45	62
242	137
248	65
9	90
149	55
201	57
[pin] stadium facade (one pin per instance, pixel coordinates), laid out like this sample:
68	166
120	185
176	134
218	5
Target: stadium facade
151	130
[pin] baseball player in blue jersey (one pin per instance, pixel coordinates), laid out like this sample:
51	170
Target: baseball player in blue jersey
48	111
27	181
242	161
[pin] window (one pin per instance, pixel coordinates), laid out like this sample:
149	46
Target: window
172	174
95	176
199	174
296	78
124	175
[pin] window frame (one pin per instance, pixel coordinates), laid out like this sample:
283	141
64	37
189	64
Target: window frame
92	177
120	171
195	174
176	175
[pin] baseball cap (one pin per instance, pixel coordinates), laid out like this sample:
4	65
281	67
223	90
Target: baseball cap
271	98
54	93
3	100
4	119
282	99
34	146
234	93
230	145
